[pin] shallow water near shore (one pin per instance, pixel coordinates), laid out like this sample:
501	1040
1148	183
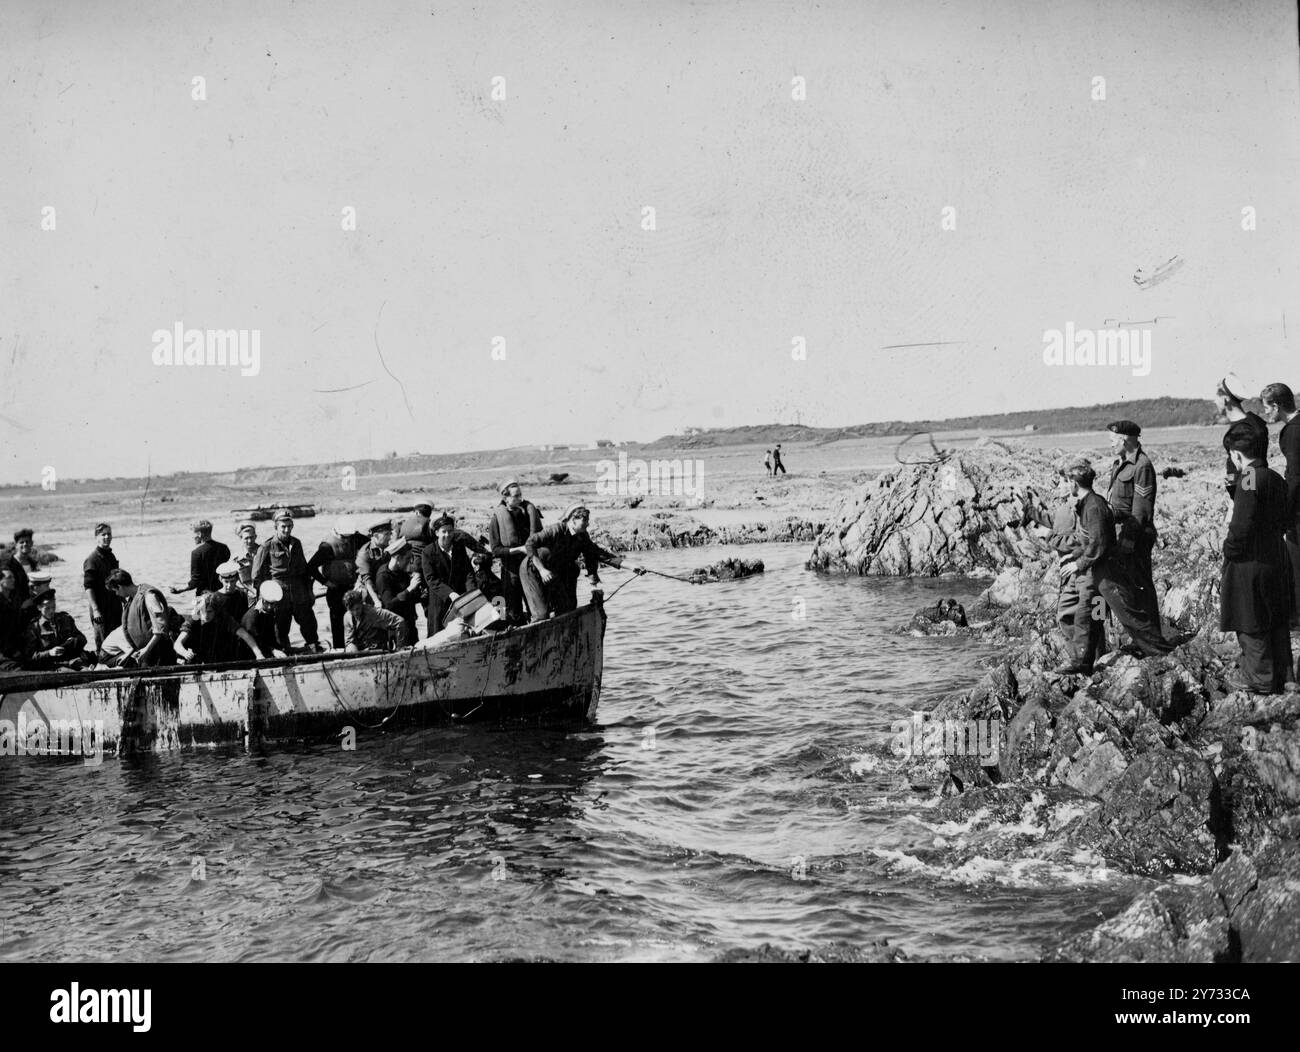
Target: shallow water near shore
737	788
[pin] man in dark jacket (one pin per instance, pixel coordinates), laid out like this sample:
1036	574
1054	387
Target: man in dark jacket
104	603
1232	408
447	572
1067	544
1279	406
1255	590
204	560
18	564
334	565
550	575
281	559
1102	576
398	589
1132	497
53	640
11	623
513	521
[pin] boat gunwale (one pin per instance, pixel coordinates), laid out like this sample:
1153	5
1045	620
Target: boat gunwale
32	682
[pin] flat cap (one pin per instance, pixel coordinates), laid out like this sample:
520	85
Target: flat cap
248	527
1124	427
379	525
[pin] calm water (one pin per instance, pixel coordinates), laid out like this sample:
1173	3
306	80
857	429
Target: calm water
732	741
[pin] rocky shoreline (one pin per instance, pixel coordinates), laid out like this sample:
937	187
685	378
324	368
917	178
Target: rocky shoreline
1153	766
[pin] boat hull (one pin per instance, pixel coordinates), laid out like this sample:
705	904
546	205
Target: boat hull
545	671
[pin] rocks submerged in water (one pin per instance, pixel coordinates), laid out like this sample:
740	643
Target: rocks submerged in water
726	570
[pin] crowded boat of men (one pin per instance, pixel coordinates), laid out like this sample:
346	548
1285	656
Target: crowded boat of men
373	581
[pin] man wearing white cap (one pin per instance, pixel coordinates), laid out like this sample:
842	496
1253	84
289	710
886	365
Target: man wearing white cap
262	621
233	596
334	565
550	574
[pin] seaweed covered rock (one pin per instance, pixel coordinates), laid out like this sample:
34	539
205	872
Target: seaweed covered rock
973	512
726	570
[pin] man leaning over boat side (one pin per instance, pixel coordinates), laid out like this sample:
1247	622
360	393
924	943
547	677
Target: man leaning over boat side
550	574
104	604
144	638
262	620
371	627
399	589
210	634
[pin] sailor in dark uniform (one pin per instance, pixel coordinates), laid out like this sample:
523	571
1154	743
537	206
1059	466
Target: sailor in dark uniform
1132	497
204	560
1255	590
1279	406
1100	574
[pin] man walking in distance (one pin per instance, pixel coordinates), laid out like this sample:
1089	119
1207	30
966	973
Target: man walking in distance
513	521
550	575
204	560
334	564
104	603
1102	576
1255	591
281	559
1132	497
1279	406
776	461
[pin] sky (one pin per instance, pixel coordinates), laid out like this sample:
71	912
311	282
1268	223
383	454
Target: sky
502	285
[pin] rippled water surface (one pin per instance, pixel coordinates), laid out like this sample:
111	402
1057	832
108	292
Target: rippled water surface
737	789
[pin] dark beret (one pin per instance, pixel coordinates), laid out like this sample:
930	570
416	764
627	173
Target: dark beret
1124	427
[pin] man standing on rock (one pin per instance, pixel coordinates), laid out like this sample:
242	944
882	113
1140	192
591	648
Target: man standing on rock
1102	575
1279	405
1255	591
1067	544
1132	498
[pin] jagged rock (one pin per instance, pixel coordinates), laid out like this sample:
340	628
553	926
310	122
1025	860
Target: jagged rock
876	952
1155	818
1174	924
971	512
1267	921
